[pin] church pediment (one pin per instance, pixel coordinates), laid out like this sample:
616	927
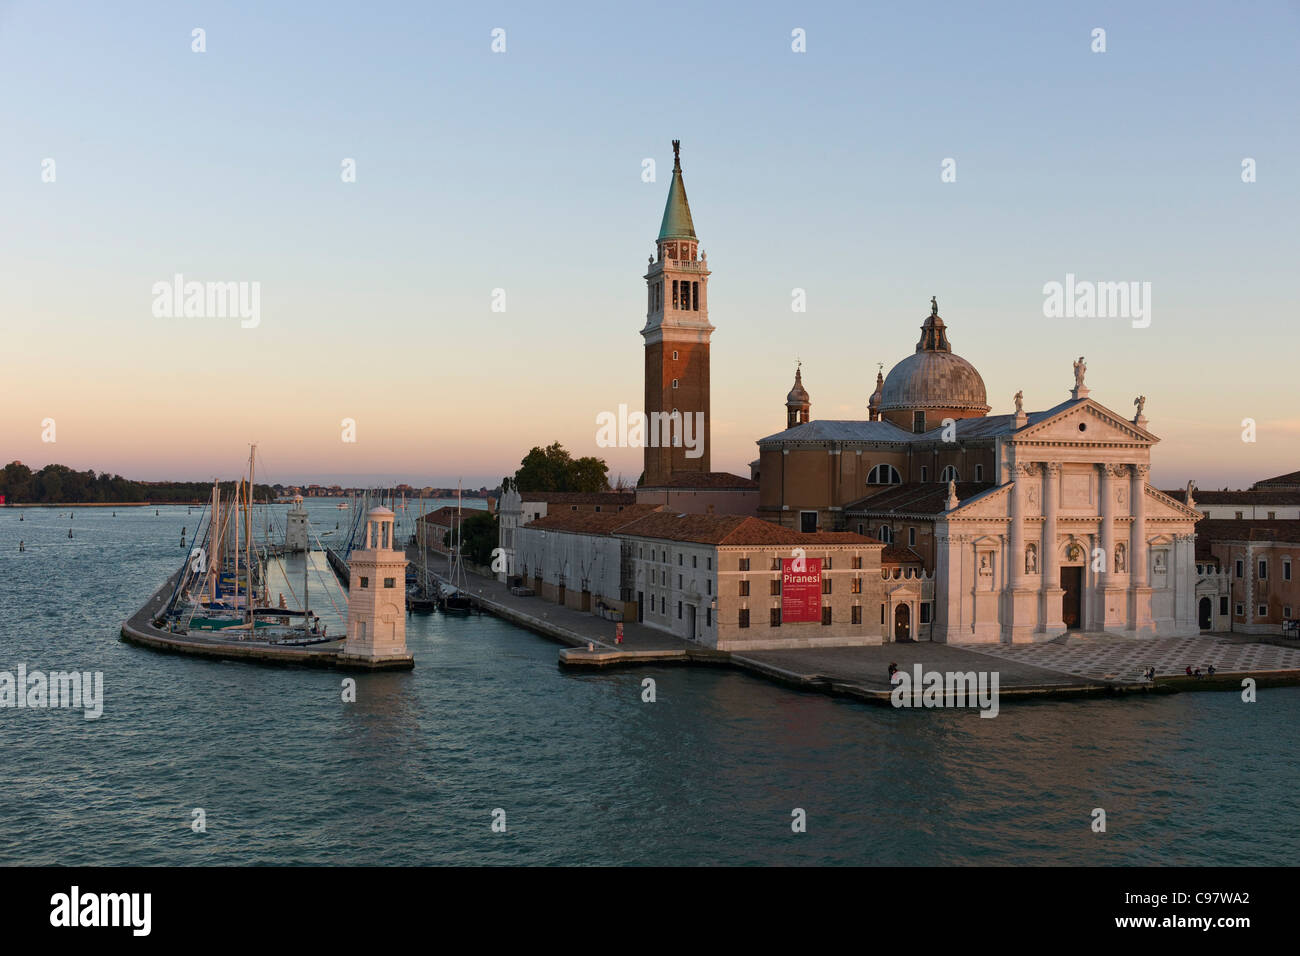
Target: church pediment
991	504
1100	426
1161	507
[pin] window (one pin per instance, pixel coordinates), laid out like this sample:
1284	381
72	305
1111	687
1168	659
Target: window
826	585
679	610
776	564
1263	570
365	583
1286	612
857	562
674	383
695	560
1241	610
911	537
674	356
775	586
950	474
674	293
744	617
708	617
918	422
679	582
1238	515
744	589
826	614
695	297
857	614
573	507
774	617
886	535
1263	610
708	563
744	564
882	614
708	586
884	474
925	473
807	522
679	559
1272	515
1286	569
979	472
390	582
826	562
1223	606
855	587
1240	569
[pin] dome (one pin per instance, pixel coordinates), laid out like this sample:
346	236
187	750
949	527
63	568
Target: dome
798	395
934	380
933	377
379	511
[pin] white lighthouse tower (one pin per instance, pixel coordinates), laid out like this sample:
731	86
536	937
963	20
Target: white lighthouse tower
376	635
295	535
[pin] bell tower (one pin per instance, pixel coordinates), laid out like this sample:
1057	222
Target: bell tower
676	338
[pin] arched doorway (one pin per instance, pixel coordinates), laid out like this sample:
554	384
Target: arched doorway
1206	608
902	623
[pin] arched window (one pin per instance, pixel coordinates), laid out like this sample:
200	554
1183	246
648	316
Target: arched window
886	535
950	474
884	475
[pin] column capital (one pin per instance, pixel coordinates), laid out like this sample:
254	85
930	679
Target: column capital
1112	470
1052	468
1027	468
1140	471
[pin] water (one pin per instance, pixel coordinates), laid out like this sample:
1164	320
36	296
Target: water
586	773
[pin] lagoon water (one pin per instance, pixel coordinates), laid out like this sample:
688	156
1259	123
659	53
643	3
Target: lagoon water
585	771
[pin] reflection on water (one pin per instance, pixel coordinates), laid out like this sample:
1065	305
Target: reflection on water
587	773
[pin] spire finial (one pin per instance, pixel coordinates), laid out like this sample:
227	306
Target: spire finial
677	154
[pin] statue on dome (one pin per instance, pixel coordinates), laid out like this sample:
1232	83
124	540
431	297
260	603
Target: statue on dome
1080	369
934	306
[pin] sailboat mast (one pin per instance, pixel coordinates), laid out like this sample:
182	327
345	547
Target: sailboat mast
248	535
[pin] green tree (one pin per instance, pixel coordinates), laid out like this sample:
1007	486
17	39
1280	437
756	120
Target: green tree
554	469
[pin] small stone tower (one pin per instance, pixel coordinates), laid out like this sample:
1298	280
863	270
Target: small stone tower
295	535
797	405
873	403
377	598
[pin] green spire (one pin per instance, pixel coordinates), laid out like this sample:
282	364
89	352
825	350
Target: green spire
677	212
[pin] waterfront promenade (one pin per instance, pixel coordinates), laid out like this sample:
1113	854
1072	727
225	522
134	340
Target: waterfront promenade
1079	666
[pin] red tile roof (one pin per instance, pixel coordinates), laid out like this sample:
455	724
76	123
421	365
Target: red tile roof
592	522
1231	529
709	480
580	497
918	497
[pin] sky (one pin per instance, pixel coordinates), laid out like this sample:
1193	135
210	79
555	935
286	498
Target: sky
522	171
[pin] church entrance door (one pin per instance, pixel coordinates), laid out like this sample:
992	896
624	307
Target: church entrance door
1206	607
1072	599
902	623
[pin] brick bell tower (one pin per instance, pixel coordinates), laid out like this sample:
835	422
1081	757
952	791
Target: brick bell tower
676	337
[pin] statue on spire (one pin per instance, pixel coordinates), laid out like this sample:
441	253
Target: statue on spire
934	306
677	154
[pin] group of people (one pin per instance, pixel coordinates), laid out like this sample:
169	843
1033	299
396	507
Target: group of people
1209	671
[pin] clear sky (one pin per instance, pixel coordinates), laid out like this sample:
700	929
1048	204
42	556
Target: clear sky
522	170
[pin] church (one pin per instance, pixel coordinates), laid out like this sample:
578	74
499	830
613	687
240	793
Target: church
1033	523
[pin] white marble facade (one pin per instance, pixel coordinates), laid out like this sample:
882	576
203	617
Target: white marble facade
1072	538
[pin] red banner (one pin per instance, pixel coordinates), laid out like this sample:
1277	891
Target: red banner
801	590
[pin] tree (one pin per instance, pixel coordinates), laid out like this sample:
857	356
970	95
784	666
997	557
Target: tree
478	537
554	469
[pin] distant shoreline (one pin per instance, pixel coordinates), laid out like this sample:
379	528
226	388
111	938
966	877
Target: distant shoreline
98	504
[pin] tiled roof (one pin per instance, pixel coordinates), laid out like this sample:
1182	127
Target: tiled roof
592	522
896	555
580	497
446	515
918	497
1229	529
987	426
711	480
1247	497
1289	479
734	530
